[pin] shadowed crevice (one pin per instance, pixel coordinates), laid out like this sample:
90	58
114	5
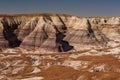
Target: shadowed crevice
8	32
62	45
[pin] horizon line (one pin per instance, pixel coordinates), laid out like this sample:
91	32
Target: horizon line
49	13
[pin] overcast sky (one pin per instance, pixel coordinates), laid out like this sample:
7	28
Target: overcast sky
75	7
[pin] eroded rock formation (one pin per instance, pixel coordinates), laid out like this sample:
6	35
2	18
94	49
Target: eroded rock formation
56	33
30	47
8	32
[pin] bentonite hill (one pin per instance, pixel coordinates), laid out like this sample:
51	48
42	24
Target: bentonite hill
59	47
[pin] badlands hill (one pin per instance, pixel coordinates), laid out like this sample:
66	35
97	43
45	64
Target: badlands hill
56	32
59	47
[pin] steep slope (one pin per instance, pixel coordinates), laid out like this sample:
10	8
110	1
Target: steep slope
57	33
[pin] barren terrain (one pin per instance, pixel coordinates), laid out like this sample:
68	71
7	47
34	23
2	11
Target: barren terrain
59	47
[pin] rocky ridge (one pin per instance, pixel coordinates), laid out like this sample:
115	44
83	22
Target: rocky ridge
56	33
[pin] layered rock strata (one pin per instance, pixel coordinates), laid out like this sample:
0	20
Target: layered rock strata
57	33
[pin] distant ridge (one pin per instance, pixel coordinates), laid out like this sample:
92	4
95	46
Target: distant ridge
35	14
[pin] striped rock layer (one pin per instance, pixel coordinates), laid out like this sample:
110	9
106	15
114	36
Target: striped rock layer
56	32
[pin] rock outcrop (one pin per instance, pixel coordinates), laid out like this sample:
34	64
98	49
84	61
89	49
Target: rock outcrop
56	33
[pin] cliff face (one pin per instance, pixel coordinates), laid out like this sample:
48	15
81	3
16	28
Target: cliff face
57	33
